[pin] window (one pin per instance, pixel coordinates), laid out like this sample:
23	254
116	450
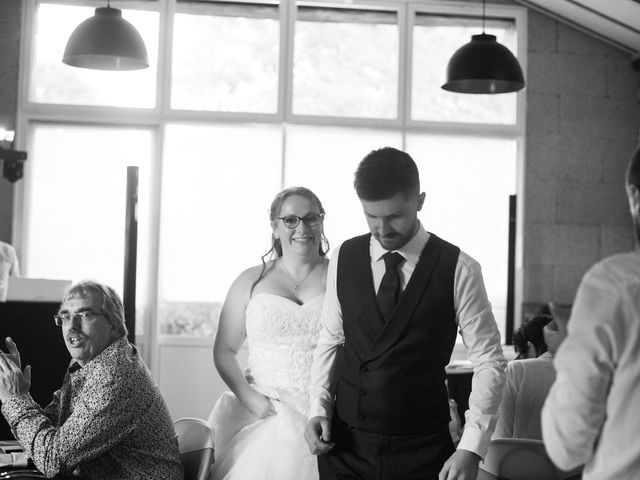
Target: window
472	186
225	57
75	222
218	183
242	99
435	40
345	63
332	154
52	81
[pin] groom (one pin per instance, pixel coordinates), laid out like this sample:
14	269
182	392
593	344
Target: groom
394	301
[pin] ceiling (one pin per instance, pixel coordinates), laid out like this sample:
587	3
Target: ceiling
614	21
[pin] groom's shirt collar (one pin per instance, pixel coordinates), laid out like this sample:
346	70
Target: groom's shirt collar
410	251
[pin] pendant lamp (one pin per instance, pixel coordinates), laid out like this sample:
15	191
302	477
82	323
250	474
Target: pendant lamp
106	41
483	66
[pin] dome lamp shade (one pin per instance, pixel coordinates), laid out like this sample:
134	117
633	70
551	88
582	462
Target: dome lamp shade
483	66
106	41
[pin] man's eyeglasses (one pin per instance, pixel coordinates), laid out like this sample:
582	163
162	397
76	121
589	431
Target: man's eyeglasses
310	220
87	317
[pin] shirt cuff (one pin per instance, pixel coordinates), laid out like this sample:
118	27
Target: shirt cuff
321	407
13	408
475	440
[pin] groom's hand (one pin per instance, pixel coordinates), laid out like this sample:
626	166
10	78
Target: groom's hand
462	465
318	435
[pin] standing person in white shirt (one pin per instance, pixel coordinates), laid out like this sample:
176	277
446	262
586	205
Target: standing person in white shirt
590	415
395	299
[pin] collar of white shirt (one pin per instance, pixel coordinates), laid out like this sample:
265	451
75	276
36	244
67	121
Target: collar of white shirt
411	251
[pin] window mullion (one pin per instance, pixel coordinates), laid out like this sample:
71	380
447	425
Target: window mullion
165	55
405	24
287	25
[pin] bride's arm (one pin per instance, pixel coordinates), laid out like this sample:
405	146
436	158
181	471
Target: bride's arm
229	339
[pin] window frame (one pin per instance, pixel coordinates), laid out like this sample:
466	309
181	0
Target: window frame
161	114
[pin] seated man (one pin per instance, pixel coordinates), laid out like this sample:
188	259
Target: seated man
528	382
109	420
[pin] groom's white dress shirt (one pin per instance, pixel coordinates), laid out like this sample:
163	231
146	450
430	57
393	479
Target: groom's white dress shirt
476	326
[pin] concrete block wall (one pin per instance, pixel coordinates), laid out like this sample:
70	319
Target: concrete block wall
583	120
10	19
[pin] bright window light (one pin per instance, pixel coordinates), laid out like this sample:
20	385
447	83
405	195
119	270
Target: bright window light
226	62
55	82
6	135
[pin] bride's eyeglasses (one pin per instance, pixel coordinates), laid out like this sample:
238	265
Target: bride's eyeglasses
310	220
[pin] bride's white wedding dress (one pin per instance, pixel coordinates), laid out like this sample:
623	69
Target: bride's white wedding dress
281	337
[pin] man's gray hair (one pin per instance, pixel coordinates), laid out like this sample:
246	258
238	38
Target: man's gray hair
110	301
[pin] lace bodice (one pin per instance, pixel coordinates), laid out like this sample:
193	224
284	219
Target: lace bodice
281	336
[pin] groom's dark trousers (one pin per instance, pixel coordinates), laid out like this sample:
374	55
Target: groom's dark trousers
369	456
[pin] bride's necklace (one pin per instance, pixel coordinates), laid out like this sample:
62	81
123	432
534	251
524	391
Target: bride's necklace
296	285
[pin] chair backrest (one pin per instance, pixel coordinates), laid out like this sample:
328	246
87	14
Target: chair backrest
22	474
195	441
521	459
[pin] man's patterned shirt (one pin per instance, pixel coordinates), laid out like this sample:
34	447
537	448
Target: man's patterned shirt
107	422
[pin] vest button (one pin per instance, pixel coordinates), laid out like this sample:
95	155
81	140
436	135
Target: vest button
363	393
364	368
362	416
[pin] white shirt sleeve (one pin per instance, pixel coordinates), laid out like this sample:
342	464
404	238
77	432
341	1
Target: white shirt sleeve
575	409
330	338
481	338
507	408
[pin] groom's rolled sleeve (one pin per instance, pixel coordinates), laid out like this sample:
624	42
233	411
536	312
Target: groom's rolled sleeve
481	338
330	338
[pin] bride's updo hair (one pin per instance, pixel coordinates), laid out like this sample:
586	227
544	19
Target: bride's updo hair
274	212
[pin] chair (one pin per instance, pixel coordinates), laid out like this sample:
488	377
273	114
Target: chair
195	441
23	474
521	459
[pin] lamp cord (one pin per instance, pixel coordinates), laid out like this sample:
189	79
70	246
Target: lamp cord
484	6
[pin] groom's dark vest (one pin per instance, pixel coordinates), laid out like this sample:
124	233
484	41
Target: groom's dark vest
392	377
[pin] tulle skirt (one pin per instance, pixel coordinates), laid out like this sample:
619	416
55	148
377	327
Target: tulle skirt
267	449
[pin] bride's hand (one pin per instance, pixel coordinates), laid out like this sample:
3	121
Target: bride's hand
259	405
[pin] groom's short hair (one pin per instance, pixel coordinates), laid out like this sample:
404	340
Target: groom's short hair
385	172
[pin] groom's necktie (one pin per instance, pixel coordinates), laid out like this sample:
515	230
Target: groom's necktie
389	289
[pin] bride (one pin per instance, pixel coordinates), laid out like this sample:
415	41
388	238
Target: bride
259	428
